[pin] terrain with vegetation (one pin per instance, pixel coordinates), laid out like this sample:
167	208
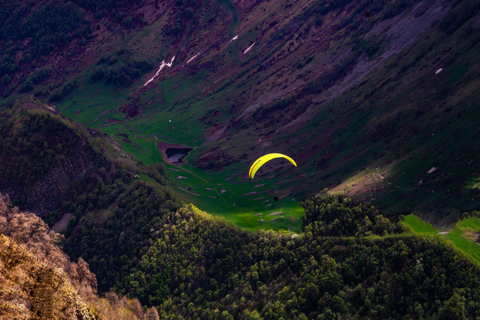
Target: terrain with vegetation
140	240
39	281
376	101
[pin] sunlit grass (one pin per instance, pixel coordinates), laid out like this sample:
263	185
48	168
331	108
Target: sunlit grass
416	225
242	201
463	236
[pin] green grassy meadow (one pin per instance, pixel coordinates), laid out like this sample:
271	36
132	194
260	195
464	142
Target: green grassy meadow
417	225
463	235
232	195
227	193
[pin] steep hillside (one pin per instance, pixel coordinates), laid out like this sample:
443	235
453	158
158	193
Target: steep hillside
201	267
42	155
38	281
98	206
122	222
372	99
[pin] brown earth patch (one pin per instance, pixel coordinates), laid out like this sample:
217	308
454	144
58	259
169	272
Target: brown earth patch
365	185
471	235
214	159
131	110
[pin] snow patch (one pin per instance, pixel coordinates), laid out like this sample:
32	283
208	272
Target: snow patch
249	48
234	38
162	65
51	108
431	170
192	58
438	71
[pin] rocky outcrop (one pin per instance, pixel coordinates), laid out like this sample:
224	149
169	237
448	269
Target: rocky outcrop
47	193
38	280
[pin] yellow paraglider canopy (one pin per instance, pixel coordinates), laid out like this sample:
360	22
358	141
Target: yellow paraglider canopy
262	160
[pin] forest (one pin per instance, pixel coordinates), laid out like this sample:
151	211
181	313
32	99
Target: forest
202	267
350	262
36	32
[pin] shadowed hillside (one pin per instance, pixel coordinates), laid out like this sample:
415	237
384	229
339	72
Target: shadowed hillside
374	100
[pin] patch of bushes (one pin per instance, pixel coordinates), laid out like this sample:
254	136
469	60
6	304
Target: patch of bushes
265	111
395	8
60	93
119	69
39	75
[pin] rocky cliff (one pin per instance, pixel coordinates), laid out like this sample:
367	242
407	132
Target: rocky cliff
42	154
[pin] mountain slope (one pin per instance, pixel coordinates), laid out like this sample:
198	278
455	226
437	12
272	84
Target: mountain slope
364	95
38	281
349	261
203	268
102	196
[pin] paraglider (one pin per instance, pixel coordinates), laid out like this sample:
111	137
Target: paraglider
262	160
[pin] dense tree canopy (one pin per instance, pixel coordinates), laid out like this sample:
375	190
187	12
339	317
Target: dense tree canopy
203	267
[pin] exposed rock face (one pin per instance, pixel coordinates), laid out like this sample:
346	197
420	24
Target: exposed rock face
41	156
46	194
36	279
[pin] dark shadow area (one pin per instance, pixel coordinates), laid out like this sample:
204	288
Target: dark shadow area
175	155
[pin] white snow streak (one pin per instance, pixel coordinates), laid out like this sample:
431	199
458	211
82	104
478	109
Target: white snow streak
248	49
163	64
438	71
431	170
234	38
191	59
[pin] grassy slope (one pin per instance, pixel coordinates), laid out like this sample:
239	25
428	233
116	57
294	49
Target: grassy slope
385	121
463	235
351	151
